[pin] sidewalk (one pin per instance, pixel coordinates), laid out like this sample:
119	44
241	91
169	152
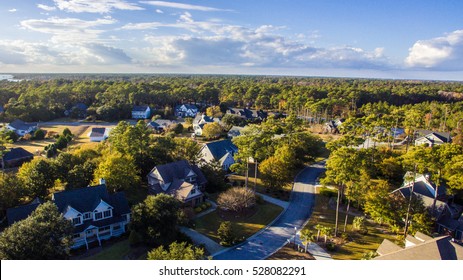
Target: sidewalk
211	246
275	201
212	209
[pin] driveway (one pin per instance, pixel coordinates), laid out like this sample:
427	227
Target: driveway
265	243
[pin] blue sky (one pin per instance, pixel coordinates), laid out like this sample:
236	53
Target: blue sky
375	39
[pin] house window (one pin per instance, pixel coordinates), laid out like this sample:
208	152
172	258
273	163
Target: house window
103	228
89	231
87	216
76	221
107	213
98	216
116	227
77	235
193	191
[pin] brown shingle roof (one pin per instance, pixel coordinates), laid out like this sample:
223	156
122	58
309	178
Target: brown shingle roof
387	247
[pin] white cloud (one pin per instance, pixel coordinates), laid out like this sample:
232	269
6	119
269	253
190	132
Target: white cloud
95	6
68	30
233	45
443	53
159	11
46	8
12	10
175	5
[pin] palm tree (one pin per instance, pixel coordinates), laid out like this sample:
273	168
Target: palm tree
326	231
308	237
318	228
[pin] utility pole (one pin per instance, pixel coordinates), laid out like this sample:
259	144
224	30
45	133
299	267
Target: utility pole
410	203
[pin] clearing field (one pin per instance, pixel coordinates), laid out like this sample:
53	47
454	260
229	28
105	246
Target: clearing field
80	138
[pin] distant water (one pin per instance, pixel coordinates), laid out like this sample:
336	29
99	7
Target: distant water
9	78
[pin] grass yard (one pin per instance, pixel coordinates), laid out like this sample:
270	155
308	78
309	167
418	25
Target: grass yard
244	227
283	193
357	244
116	251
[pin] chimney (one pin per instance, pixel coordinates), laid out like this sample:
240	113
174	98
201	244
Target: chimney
102	181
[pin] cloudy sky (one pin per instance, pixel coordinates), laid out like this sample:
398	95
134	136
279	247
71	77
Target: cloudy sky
419	39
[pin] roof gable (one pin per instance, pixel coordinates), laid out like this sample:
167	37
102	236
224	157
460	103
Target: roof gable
219	149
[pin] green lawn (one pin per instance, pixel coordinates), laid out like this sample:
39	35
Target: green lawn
116	251
244	227
358	244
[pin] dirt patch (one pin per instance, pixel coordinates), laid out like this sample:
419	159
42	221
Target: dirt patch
289	252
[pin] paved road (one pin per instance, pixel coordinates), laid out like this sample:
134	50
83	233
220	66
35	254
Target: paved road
269	240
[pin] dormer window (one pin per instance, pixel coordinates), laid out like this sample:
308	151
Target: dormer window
107	214
76	221
193	191
98	216
87	216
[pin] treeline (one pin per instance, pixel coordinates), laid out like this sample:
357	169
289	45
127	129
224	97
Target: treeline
111	98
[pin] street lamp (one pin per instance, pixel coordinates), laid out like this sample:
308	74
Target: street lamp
295	233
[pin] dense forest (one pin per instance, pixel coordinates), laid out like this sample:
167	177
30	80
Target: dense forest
433	104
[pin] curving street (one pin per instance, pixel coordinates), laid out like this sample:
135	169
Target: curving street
263	244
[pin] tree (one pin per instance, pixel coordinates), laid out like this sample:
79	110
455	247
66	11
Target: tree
38	177
359	224
307	237
212	130
177	251
11	192
215	176
226	234
119	172
236	199
156	219
186	148
45	234
39	134
378	203
214	112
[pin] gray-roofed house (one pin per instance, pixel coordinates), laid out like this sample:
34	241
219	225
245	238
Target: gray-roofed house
221	151
200	121
424	188
186	110
141	112
421	247
19	213
95	214
451	221
433	138
22	128
15	157
180	179
234	131
248	114
98	134
161	125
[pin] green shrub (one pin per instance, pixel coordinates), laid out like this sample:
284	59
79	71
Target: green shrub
259	199
66	132
198	209
330	246
204	206
134	238
327	192
208	204
39	134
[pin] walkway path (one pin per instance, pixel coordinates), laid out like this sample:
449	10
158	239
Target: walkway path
281	203
269	240
211	246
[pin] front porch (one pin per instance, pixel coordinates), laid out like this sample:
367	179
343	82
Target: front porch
94	234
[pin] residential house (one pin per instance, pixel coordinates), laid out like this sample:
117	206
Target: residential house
180	179
95	214
98	134
234	131
424	188
431	138
333	126
15	157
450	222
141	112
21	212
22	128
222	151
79	110
421	247
248	114
161	125
200	121
186	110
